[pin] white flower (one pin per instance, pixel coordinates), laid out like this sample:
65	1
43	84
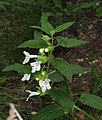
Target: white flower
31	94
45	85
26	77
28	56
36	66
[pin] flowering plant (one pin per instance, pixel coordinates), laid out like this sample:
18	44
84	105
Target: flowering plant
47	70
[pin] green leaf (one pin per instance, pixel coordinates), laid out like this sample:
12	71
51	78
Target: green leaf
91	100
99	12
33	44
63	27
46	26
62	97
63	67
36	27
86	5
77	68
37	35
72	42
56	76
67	69
50	112
25	69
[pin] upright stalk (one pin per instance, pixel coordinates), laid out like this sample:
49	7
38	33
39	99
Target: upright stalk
50	54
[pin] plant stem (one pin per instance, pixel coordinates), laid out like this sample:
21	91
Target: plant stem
50	54
85	113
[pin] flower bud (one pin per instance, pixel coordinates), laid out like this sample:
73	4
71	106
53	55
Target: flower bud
46	49
37	79
45	37
43	73
41	50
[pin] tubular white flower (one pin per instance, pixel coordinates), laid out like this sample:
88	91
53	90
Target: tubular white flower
32	94
45	85
36	66
26	77
28	56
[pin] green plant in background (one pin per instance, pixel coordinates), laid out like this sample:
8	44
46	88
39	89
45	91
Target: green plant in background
77	10
99	12
97	80
47	70
96	74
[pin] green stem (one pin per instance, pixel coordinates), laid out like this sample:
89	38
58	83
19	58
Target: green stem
50	55
48	66
85	113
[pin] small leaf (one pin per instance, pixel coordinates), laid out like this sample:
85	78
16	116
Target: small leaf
63	98
91	100
63	27
63	67
72	42
33	44
36	27
56	77
50	112
99	12
46	26
25	69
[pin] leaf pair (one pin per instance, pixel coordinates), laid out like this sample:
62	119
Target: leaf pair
48	28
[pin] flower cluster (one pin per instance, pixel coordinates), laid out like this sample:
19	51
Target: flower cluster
44	82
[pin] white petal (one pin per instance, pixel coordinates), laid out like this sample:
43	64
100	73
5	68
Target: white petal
32	94
33	56
26	60
32	64
26	53
28	91
33	70
48	86
26	77
47	80
43	89
42	84
38	67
